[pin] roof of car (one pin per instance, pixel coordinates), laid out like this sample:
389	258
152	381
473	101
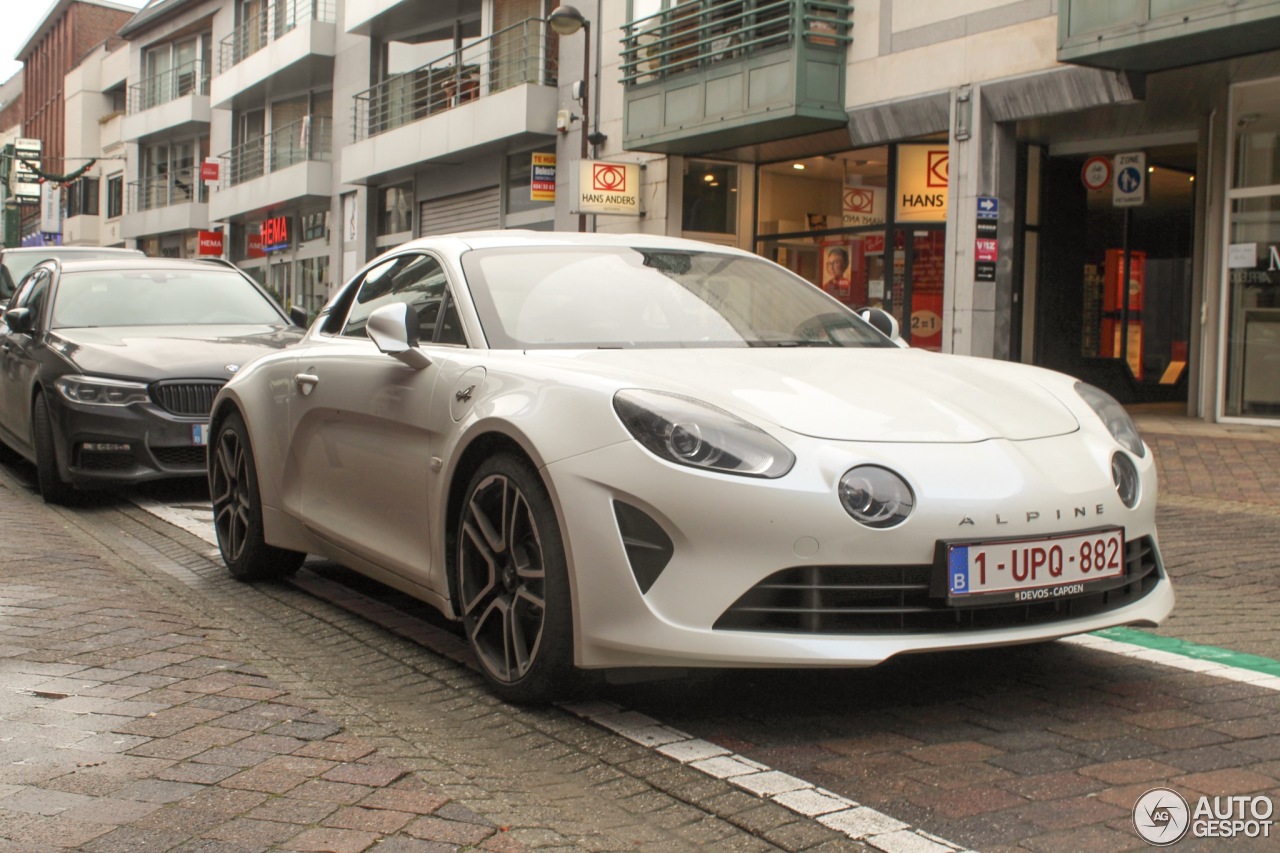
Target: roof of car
50	251
499	239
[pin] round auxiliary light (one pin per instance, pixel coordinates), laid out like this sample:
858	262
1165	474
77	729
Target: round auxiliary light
875	496
1125	476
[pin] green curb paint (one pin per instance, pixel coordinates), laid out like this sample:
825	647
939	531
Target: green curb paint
1226	657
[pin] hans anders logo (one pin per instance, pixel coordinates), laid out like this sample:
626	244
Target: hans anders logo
859	201
608	178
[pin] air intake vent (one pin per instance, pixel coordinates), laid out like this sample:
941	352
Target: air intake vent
648	546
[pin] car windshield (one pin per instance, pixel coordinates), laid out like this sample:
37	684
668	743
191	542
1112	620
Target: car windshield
158	297
18	264
561	297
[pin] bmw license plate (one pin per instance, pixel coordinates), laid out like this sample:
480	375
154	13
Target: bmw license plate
199	435
1029	570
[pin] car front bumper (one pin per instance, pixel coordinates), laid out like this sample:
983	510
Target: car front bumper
105	445
730	535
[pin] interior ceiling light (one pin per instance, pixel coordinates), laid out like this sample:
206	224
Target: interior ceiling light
708	177
1150	169
799	166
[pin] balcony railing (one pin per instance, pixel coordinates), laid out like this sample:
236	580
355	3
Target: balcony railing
273	22
182	186
518	54
698	34
309	138
191	78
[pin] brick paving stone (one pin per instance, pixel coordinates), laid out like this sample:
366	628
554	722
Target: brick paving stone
332	841
453	832
1052	786
1130	771
381	821
1071	812
416	802
1227	782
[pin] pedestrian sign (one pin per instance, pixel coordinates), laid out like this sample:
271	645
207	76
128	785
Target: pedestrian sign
1129	185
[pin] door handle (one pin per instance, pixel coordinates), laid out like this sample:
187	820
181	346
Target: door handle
306	382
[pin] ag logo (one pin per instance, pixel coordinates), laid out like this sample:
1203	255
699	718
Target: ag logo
1161	817
608	178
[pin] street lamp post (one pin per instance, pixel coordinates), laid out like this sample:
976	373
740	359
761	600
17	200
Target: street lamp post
567	20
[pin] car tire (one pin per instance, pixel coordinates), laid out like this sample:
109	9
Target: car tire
513	583
53	488
237	509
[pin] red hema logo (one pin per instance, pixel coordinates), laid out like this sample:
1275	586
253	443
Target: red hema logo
608	178
937	174
859	201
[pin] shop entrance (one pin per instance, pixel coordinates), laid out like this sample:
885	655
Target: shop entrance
1113	299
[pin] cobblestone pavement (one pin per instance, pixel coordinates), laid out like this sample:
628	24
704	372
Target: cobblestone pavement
1039	748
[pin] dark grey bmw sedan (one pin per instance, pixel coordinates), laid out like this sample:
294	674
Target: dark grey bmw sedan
108	368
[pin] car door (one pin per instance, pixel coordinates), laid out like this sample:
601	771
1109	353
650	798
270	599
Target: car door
362	435
18	362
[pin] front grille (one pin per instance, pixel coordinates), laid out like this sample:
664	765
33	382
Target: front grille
180	457
185	397
896	600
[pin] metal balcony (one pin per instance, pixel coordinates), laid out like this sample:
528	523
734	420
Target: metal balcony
191	78
290	163
706	75
518	54
269	25
161	204
172	102
289	46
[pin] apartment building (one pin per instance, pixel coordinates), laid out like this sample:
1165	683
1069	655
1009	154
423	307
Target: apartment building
1088	187
95	94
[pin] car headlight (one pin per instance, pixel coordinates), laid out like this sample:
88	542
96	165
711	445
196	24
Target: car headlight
875	496
101	392
1113	415
689	432
1125	477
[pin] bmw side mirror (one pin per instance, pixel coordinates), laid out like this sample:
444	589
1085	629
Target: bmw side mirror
884	323
298	316
394	329
18	320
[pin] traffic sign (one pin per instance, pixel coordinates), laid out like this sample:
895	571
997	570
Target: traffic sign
1129	187
1096	173
988	207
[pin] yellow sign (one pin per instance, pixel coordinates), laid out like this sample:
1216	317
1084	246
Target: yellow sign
605	187
923	175
542	178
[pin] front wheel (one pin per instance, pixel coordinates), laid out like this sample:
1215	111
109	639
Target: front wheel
237	509
513	583
53	488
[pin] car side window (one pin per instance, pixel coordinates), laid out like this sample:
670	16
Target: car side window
415	279
32	295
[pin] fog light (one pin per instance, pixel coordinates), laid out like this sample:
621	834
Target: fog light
876	496
1125	476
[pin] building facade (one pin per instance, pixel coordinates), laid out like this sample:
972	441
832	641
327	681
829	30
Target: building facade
1083	186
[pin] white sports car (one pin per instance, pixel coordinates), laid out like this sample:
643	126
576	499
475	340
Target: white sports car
604	451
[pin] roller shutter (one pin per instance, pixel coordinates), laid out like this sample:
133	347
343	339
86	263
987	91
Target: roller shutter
474	211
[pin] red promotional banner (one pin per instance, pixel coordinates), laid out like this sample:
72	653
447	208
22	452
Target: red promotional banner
209	171
210	243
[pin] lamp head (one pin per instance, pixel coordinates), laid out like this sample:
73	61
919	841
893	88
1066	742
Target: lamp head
566	20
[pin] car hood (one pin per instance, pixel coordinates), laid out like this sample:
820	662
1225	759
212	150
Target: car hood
169	352
842	394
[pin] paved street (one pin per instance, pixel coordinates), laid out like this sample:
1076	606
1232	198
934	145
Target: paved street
151	703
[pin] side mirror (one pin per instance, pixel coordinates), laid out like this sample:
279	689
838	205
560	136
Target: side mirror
394	329
298	316
884	323
18	320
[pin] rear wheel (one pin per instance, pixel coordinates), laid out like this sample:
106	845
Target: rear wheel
237	509
53	488
513	583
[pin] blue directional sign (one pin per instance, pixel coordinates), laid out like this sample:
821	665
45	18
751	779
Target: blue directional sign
988	207
1129	186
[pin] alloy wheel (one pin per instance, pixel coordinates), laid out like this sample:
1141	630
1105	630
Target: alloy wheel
230	490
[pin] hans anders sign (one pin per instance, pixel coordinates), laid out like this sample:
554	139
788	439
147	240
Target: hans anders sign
923	175
605	187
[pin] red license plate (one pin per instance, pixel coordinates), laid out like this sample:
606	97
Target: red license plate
1034	569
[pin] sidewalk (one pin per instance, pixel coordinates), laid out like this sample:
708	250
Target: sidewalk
126	726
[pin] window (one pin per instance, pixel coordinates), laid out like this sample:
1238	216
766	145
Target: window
710	197
82	197
115	196
315	226
418	281
395	210
313	289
